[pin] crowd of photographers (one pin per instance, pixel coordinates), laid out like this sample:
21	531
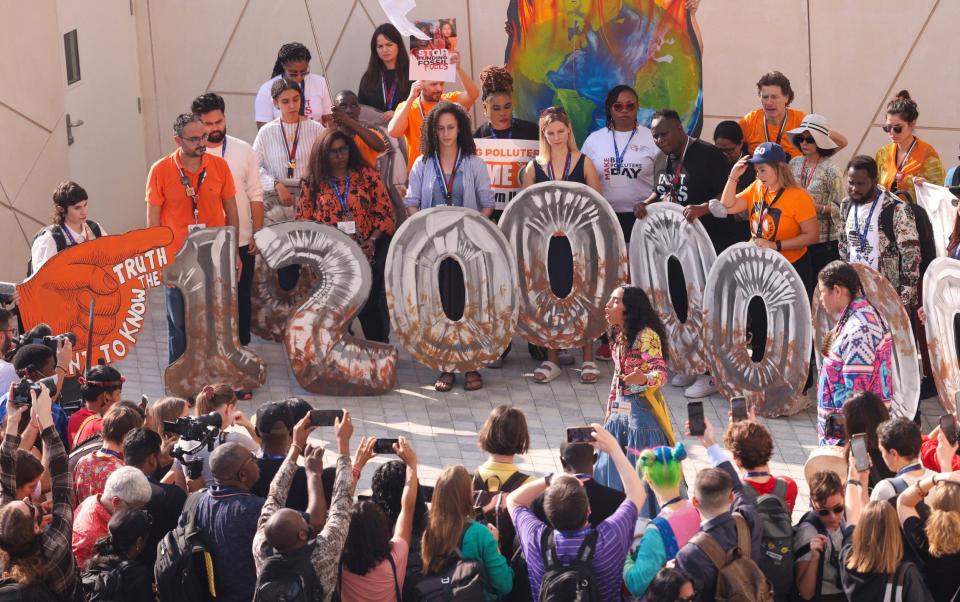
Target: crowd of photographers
189	500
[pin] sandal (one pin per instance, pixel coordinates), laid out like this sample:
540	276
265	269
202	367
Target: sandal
548	371
589	373
472	381
444	382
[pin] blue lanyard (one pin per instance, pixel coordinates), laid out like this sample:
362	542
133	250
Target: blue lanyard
617	155
759	473
866	226
509	135
911	468
342	197
223	147
447	186
66	232
110	452
566	167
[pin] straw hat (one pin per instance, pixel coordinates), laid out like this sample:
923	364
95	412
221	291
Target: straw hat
829	457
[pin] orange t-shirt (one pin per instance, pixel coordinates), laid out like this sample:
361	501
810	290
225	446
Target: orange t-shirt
781	218
415	121
369	155
165	190
752	126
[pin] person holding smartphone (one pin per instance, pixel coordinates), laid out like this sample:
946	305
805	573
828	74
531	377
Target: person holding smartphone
899	440
637	414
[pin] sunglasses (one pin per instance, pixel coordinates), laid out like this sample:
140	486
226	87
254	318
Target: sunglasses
303	73
826	511
807	139
624	106
896	128
553	111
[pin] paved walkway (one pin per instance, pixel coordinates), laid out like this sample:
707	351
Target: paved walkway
444	426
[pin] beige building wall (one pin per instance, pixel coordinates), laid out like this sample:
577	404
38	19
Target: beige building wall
844	58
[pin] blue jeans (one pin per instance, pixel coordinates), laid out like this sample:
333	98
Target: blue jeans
176	326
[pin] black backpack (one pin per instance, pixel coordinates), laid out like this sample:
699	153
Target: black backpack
777	539
103	585
460	580
289	578
574	582
184	568
11	591
61	239
491	507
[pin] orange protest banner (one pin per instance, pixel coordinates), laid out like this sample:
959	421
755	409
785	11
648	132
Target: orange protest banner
505	161
113	271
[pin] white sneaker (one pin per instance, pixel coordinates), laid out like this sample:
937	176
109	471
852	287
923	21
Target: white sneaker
565	358
682	380
703	387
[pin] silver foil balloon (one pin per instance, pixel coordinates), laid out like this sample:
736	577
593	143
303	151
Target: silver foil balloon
662	235
906	361
941	303
413	295
772	385
271	306
324	358
599	261
205	273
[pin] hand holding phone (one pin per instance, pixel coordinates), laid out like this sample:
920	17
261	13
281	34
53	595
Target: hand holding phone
948	425
384	446
738	409
858	447
580	434
695	416
325	417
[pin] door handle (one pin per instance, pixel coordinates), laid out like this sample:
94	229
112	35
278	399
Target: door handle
70	126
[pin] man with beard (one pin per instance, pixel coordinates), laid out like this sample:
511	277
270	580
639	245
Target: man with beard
346	115
245	168
424	95
8	329
879	230
691	173
37	558
188	190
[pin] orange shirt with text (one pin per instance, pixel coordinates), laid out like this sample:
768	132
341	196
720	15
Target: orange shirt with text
781	219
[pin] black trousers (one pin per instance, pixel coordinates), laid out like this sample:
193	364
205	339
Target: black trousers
821	254
374	317
247	263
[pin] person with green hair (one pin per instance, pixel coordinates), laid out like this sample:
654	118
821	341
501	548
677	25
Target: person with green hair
661	468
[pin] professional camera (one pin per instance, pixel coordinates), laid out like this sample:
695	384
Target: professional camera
21	392
53	342
202	429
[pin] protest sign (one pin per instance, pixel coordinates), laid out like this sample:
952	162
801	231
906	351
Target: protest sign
505	160
112	271
430	58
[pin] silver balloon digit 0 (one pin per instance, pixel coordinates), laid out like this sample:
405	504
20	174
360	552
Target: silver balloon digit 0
941	304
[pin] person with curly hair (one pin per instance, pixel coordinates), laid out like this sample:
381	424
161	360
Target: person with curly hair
637	414
751	445
70	225
936	541
677	521
496	92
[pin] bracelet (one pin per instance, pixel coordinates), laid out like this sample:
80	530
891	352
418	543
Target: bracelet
356	473
297	447
854	482
920	489
61	368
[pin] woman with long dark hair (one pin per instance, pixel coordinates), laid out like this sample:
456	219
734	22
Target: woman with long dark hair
451	527
293	63
448	172
862	413
385	83
637	412
374	560
344	191
857	353
113	573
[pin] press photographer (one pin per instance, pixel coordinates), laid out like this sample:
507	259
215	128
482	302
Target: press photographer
216	412
41	364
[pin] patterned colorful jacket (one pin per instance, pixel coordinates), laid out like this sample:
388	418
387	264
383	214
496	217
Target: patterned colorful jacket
899	245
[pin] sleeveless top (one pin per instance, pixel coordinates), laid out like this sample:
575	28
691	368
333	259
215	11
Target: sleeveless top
575	175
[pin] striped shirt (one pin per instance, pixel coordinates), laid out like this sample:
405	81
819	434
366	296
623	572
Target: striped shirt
613	539
272	153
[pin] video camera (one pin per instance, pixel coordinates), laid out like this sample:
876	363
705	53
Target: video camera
202	429
21	391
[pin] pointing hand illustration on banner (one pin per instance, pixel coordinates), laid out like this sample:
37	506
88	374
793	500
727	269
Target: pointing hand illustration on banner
115	271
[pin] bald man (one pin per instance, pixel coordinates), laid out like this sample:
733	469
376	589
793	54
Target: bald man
288	532
227	519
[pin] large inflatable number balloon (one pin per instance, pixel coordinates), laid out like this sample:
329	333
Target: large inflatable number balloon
413	295
324	358
881	294
773	384
941	303
205	273
664	235
588	222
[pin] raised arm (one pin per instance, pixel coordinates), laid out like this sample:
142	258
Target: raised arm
398	123
8	452
855	496
731	202
525	494
632	485
408	503
470	90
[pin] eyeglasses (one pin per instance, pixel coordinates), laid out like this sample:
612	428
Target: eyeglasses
624	106
896	128
553	111
303	73
244	465
807	139
340	150
196	139
826	511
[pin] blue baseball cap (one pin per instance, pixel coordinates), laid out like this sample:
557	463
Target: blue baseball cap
768	152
